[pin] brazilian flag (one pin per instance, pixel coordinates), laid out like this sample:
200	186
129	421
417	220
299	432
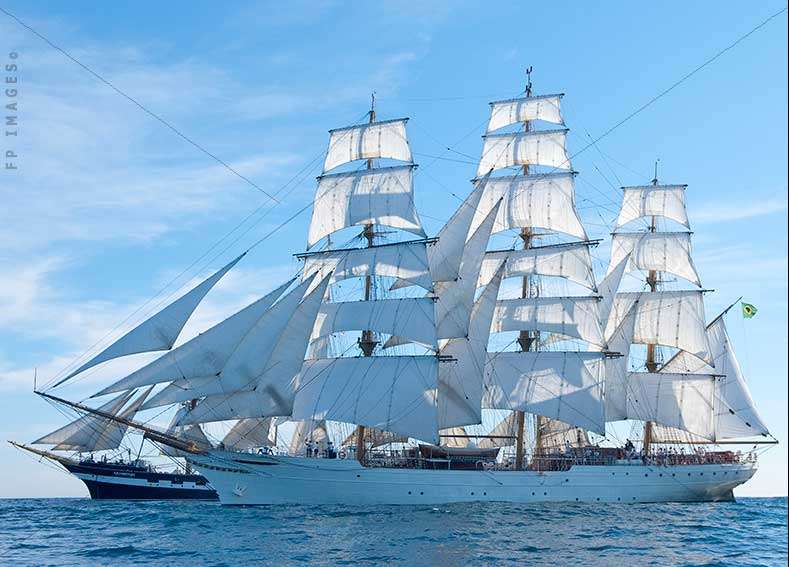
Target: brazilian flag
748	310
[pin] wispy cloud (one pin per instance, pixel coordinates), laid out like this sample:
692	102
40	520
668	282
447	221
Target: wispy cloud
740	210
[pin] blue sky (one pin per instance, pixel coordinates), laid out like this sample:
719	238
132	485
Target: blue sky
108	205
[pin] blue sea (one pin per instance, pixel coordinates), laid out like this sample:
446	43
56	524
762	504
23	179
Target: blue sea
751	531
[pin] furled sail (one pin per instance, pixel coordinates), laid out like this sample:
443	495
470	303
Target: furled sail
682	401
81	431
393	393
455	300
668	318
735	413
412	318
544	147
544	201
571	316
385	139
506	112
667	201
204	355
379	196
460	382
662	251
249	434
571	261
160	331
567	386
406	261
269	380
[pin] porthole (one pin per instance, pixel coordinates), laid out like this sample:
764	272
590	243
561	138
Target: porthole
421	493
533	493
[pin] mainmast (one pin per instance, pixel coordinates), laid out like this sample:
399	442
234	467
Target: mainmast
526	339
367	341
538	204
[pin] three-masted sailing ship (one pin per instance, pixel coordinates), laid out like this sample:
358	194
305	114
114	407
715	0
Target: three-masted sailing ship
456	371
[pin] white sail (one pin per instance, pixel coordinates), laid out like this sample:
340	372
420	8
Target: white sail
682	401
453	437
571	261
309	433
502	435
160	331
406	261
80	432
540	201
393	393
662	251
735	413
460	381
616	368
271	382
577	317
379	196
244	363
446	254
374	438
555	435
544	147
249	434
525	109
455	299
669	318
113	434
608	288
567	386
412	317
666	201
386	139
204	355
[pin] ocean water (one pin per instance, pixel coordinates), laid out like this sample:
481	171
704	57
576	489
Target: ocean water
751	531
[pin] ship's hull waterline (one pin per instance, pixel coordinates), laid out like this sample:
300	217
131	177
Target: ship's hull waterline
113	482
244	479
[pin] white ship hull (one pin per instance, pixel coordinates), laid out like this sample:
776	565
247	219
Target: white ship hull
244	479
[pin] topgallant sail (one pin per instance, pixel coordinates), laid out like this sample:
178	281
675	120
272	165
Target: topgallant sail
448	370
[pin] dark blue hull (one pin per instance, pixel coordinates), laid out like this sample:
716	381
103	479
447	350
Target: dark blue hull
120	481
117	491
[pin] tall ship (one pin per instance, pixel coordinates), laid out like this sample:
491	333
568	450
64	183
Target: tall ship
90	448
426	370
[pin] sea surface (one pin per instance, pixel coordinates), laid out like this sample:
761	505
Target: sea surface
751	531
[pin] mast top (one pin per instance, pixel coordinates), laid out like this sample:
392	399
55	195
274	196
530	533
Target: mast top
655	179
528	80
